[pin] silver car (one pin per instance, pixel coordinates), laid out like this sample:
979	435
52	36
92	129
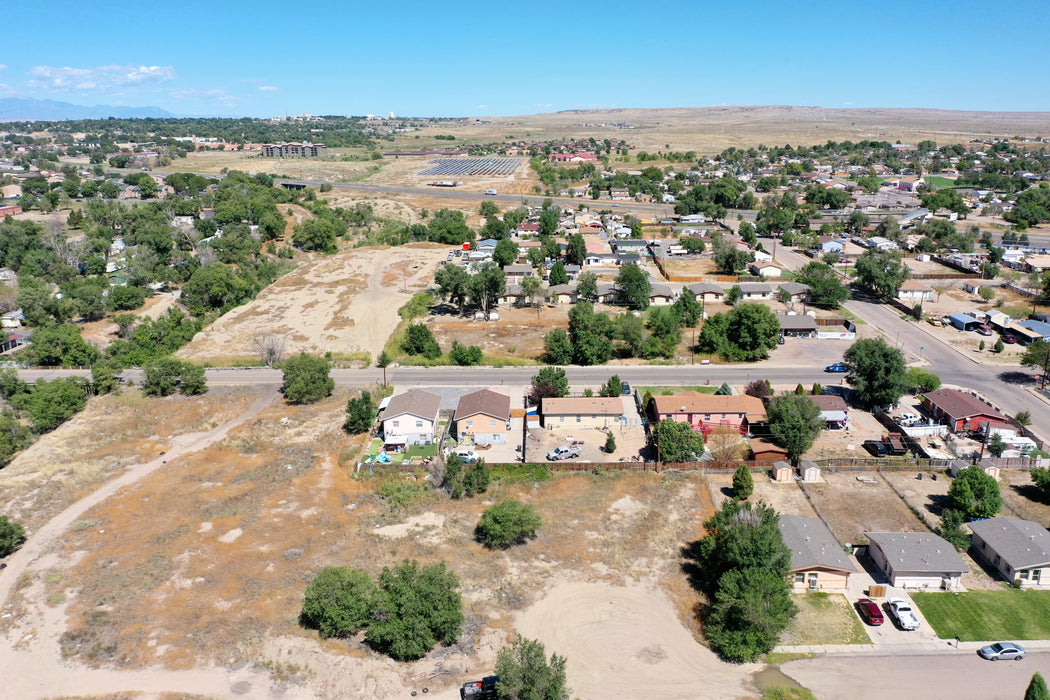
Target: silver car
1003	650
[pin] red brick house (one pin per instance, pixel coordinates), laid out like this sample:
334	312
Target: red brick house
959	410
705	412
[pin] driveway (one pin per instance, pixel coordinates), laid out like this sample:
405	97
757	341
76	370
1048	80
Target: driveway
888	632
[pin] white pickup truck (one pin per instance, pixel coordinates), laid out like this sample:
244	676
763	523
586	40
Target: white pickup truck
901	611
563	452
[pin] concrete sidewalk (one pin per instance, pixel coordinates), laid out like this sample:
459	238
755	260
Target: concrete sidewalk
939	646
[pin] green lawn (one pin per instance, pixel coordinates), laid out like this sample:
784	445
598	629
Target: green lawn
824	618
939	182
977	616
430	450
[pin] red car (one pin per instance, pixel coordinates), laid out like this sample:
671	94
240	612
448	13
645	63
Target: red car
870	612
1009	340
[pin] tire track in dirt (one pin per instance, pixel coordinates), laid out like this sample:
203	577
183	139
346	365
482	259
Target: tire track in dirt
52	675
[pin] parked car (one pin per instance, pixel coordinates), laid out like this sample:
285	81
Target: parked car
869	610
490	192
934	321
485	689
837	367
901	611
1003	650
625	388
1009	339
563	452
983	330
467	456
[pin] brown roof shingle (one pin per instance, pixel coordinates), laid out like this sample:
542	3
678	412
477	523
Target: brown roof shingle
484	401
695	402
958	404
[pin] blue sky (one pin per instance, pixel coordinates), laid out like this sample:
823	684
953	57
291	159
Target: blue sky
471	58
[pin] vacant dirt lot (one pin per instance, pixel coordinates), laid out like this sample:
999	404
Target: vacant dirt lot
854	507
113	432
204	563
344	304
518	333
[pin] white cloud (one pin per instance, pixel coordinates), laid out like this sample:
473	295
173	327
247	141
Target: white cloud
214	94
483	106
2	66
847	103
269	88
101	78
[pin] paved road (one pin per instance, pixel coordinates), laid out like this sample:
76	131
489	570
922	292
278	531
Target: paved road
958	675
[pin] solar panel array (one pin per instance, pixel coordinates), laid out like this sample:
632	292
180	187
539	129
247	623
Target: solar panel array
473	166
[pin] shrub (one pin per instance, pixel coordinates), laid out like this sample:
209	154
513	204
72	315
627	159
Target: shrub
12	535
743	483
306	379
338	601
414	609
610	443
360	414
524	672
507	523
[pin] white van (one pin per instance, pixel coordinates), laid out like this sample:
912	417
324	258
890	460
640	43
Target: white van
467	456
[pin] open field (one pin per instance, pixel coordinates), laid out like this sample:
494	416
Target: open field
345	304
113	432
985	615
519	332
210	557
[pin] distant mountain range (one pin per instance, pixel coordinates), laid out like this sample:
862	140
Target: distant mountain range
17	109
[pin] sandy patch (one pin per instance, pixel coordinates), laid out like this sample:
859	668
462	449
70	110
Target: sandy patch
426	521
231	536
624	642
344	304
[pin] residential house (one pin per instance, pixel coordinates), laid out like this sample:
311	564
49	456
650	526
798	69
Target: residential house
528	228
818	561
562	294
607	293
766	269
693	219
620	193
750	291
833	410
661	295
516	273
882	243
631	245
483	415
487	244
705	412
761	256
1018	549
1038	328
411	418
795	291
584	412
914	291
601	260
1024	335
830	245
916	559
959	410
998	320
511	296
705	291
628	259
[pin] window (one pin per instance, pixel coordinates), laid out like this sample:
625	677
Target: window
579	419
561	419
470	424
800	578
394	423
1023	575
707	417
419	424
492	424
997	560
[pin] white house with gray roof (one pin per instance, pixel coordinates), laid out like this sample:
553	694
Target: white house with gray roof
1018	549
916	559
411	418
818	561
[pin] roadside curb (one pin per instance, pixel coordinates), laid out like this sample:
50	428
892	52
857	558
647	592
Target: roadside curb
938	646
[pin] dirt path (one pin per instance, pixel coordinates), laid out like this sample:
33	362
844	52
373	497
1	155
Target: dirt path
35	643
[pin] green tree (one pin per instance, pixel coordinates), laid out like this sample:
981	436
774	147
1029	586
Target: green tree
487	285
60	346
1037	355
587	285
525	673
589	334
306	379
996	446
453	284
576	249
678	442
531	290
550	382
476	479
1037	689
360	414
794	423
557	348
338	602
610	443
1023	418
975	494
488	208
215	287
881	272
922	380
414	609
317	234
465	355
733	295
634	286
50	404
166	375
558	275
613	387
752	608
826	289
752	331
506	253
507	523
105	377
743	483
12	536
1041	478
419	340
14	436
631	330
951	529
879	374
730	260
688	309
